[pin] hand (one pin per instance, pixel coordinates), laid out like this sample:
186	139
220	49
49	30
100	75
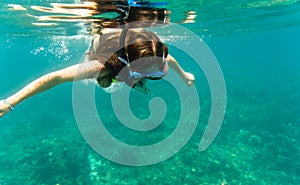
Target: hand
4	108
189	78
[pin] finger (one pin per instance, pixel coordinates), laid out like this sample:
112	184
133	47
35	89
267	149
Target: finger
190	83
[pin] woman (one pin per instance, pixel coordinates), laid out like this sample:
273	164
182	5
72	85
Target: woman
129	56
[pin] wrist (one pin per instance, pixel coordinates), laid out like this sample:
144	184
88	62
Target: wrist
10	106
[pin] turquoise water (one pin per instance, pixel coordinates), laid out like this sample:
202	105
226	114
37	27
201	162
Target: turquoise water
256	44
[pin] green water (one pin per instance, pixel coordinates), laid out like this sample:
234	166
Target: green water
256	44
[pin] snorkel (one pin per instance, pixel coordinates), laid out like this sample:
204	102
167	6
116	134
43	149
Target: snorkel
141	86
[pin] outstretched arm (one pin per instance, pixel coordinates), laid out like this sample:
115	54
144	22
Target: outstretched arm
187	77
81	71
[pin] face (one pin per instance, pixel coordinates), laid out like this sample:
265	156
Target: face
154	68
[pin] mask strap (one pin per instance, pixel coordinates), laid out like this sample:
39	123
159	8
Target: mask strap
123	55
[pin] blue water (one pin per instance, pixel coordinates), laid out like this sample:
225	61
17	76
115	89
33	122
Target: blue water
256	45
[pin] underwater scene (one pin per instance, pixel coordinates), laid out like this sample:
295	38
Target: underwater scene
238	124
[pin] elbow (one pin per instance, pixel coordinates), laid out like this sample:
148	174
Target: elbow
54	78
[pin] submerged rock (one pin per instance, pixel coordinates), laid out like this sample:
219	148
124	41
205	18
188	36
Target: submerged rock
254	140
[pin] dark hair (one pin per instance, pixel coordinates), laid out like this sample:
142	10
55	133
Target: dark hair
106	49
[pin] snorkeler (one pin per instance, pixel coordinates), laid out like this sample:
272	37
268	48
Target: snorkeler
130	56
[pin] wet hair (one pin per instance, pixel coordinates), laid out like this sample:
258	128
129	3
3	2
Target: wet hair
138	44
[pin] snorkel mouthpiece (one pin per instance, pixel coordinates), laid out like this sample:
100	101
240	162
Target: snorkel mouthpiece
141	87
